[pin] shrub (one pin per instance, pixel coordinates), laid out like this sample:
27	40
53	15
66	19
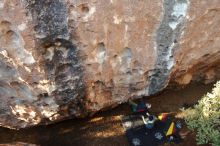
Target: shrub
204	118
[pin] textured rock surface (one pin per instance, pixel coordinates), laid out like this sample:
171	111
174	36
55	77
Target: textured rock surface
62	58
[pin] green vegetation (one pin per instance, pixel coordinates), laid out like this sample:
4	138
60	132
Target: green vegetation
204	118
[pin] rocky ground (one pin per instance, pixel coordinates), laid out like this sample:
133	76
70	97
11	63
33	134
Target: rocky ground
104	128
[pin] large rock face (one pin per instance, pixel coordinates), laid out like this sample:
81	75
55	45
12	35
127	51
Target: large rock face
69	58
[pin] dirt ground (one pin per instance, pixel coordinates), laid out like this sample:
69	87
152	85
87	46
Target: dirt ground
104	128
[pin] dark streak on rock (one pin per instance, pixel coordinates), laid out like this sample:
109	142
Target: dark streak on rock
50	17
64	68
66	72
165	37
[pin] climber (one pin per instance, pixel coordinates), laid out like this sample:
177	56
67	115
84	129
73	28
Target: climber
149	121
140	107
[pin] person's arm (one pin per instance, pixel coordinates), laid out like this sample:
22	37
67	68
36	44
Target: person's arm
143	120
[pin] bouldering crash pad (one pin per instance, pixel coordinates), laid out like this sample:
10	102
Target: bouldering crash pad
164	130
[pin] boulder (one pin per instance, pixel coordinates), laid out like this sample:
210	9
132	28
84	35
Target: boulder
63	59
